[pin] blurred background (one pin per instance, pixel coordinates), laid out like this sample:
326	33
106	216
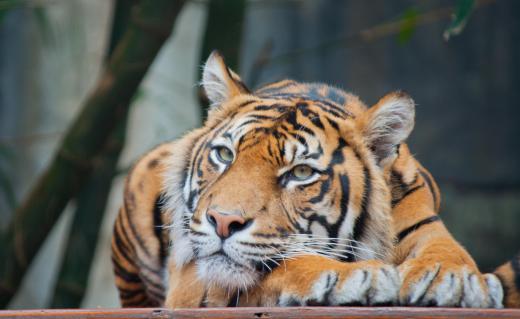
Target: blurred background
66	144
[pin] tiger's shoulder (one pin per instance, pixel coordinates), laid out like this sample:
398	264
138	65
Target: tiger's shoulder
139	234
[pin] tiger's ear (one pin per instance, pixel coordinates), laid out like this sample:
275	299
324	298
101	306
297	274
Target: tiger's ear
387	124
219	82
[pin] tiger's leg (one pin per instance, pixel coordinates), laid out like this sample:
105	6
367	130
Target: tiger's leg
303	281
185	290
435	269
509	275
320	281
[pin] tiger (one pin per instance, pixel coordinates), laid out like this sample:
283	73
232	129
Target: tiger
295	194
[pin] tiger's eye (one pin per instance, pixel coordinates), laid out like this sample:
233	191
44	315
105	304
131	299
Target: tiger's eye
302	172
225	154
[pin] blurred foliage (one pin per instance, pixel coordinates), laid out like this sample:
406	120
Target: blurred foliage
460	18
408	25
38	11
6	5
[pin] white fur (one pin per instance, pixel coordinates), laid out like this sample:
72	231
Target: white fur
214	80
385	287
220	271
420	288
173	187
354	289
458	287
449	291
390	124
323	285
373	286
495	290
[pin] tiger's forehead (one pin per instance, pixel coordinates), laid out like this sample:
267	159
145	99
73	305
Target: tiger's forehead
290	90
292	130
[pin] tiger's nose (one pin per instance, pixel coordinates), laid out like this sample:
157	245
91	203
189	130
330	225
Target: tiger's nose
226	225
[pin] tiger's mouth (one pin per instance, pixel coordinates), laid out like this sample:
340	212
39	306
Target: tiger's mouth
262	267
221	270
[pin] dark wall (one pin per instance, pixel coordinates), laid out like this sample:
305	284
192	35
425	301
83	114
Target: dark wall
467	131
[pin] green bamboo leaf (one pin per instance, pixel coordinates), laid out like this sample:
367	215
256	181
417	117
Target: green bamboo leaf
408	25
460	18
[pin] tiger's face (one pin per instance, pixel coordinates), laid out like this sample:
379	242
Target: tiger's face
290	169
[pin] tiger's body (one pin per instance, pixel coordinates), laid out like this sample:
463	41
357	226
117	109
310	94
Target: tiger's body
296	194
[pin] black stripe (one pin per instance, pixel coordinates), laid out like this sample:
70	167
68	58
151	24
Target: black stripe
140	263
139	302
330	110
337	155
299	138
157	293
416	226
133	230
120	247
197	233
246	103
119	231
262	117
275	87
345	194
158	228
361	221
430	186
204	302
195	156
121	272
325	186
305	129
407	193
129	293
248	122
333	123
233	302
262	108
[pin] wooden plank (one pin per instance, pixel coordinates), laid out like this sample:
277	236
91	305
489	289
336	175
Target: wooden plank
271	313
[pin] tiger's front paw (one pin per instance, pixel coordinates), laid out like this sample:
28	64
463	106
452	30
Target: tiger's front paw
448	285
360	283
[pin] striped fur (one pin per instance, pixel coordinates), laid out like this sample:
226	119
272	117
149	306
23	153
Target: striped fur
331	238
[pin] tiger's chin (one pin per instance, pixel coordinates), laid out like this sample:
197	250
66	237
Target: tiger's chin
220	270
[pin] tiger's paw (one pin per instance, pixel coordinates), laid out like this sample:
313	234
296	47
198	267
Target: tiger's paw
374	285
448	285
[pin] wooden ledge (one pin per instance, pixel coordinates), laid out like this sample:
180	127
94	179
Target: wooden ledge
254	313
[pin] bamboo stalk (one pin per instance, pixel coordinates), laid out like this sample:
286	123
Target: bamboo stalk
92	200
150	25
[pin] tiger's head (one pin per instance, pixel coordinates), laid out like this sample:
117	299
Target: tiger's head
292	168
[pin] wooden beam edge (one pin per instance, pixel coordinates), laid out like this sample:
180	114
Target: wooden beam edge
272	313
